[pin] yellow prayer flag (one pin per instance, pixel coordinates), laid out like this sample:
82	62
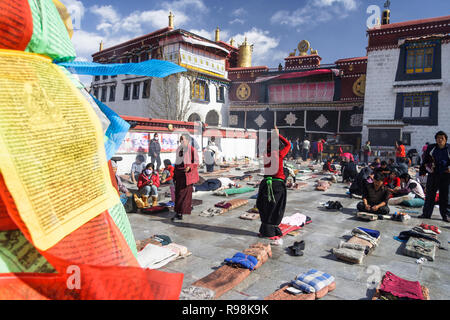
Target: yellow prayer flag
52	156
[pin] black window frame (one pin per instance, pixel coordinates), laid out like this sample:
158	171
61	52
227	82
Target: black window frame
135	92
104	77
104	93
95	93
112	93
220	94
127	91
144	89
406	138
96	78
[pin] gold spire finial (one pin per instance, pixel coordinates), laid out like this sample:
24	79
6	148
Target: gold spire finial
217	34
101	46
171	16
232	43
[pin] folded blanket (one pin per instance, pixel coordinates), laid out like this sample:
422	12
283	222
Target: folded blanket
349	255
400	287
405	235
316	279
360	233
296	219
223	204
431	228
243	260
154	257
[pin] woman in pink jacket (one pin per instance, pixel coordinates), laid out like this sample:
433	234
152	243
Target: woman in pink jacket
185	176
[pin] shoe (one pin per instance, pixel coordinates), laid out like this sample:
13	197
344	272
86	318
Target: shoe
422	217
170	204
177	216
300	244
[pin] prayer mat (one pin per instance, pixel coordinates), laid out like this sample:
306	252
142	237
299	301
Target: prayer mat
380	296
419	248
349	255
396	287
227	277
282	294
196	293
153	210
228	192
286	228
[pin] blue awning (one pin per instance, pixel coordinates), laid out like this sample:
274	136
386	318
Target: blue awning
149	68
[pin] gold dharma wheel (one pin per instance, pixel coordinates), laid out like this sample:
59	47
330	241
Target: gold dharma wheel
359	87
303	47
243	91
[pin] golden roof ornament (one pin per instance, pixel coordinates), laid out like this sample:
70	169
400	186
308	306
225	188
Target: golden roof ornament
217	34
171	16
303	47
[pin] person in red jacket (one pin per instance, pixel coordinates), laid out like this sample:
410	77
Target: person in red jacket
271	201
185	175
399	151
148	183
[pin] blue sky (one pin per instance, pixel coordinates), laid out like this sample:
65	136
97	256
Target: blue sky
336	28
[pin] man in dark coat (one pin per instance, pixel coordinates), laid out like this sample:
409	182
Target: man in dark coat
436	164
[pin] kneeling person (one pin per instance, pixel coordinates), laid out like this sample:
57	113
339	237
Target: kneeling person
375	197
148	184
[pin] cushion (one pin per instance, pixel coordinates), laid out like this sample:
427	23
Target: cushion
419	248
316	279
414	203
349	255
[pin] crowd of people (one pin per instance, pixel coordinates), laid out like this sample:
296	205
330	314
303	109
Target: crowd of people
382	183
379	183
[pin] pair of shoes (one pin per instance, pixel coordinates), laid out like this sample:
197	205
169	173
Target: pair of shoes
177	216
334	205
297	248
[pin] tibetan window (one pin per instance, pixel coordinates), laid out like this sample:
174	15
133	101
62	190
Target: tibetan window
420	57
416	105
200	91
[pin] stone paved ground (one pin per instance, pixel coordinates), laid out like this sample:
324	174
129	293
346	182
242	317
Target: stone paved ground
212	239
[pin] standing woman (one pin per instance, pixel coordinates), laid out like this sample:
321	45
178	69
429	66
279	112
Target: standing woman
271	201
186	174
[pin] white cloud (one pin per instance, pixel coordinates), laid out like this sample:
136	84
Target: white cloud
183	5
237	20
263	46
239	12
315	11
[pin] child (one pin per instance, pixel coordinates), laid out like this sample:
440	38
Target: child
167	178
137	167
